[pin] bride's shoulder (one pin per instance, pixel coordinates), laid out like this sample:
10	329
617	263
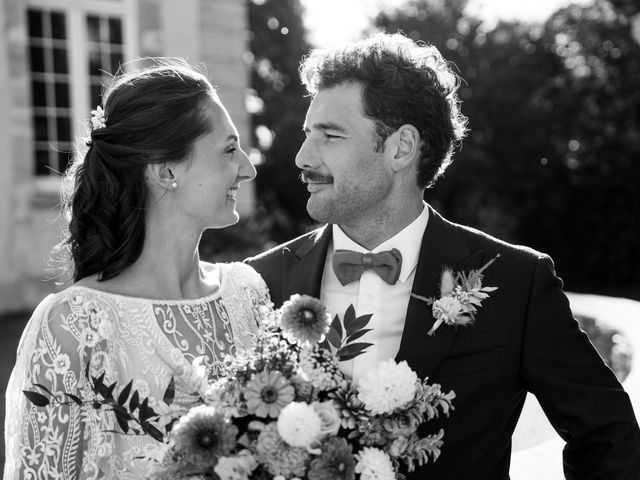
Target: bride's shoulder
236	272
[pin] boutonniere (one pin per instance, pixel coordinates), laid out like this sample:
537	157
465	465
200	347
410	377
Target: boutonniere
461	294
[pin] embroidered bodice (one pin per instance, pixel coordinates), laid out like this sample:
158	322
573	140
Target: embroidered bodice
127	338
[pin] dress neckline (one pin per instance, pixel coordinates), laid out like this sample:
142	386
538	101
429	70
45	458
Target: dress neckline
180	301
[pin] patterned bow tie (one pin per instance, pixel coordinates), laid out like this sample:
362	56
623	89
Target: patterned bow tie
349	266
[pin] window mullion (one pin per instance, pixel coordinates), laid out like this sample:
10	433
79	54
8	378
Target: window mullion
79	71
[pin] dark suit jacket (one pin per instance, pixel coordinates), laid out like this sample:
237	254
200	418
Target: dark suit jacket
524	339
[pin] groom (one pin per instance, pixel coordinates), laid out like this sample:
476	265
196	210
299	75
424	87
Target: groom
380	129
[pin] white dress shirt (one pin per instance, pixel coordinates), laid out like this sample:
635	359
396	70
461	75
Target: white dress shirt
371	295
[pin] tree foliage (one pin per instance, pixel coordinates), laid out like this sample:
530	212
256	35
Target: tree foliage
277	43
554	132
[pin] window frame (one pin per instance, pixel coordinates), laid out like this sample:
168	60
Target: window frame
76	12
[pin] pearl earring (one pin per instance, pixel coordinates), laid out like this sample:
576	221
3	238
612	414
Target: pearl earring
174	185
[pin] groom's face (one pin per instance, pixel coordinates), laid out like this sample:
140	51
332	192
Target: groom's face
348	181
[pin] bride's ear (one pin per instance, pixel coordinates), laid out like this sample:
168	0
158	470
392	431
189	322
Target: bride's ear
161	175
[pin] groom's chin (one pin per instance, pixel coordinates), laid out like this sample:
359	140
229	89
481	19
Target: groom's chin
319	211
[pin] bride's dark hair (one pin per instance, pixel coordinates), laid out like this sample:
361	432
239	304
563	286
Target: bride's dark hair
152	115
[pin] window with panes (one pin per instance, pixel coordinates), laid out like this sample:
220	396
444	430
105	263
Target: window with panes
72	52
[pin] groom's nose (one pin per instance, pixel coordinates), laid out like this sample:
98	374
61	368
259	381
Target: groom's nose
306	159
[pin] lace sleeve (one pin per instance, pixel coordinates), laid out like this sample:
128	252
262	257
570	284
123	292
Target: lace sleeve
61	440
247	300
256	290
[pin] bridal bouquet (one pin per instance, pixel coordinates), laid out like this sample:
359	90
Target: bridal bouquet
284	410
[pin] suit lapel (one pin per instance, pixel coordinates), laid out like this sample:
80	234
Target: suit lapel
442	246
303	265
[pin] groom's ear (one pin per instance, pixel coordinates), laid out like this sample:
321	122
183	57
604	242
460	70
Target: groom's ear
160	175
404	147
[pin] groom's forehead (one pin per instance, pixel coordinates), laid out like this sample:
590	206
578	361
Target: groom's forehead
335	106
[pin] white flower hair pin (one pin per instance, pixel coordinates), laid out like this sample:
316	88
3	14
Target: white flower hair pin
97	118
461	294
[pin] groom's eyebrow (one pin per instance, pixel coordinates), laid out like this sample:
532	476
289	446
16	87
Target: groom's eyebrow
327	126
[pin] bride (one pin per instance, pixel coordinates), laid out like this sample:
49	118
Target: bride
163	163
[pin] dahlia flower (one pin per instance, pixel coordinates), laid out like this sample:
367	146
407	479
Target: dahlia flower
374	464
387	386
304	319
203	436
336	462
299	425
279	457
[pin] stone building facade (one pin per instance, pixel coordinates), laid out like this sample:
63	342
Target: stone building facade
54	54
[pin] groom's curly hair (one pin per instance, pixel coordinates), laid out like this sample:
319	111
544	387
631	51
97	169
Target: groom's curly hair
403	82
153	115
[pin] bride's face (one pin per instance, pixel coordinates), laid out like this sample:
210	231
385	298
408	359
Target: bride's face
210	178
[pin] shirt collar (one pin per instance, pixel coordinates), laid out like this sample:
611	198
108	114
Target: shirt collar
408	241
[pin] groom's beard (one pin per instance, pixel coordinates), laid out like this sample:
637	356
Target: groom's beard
307	176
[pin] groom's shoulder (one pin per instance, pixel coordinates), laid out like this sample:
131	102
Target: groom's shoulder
480	240
309	238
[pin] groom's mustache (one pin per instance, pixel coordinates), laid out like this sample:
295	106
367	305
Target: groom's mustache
307	176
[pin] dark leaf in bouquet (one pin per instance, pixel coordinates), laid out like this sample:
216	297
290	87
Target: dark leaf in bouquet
142	409
43	388
170	393
36	398
334	335
74	398
324	345
352	351
357	324
135	401
109	392
357	334
170	425
97	382
124	394
349	318
154	432
145	411
123	422
119	410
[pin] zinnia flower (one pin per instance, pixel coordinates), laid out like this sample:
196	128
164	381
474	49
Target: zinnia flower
304	319
267	393
203	436
299	425
279	457
387	386
374	464
336	462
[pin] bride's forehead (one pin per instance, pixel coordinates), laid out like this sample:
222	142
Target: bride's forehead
222	125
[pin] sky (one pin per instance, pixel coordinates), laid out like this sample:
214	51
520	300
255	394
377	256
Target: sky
337	21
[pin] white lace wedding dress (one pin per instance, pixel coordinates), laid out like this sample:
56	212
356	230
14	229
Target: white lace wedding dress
147	341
